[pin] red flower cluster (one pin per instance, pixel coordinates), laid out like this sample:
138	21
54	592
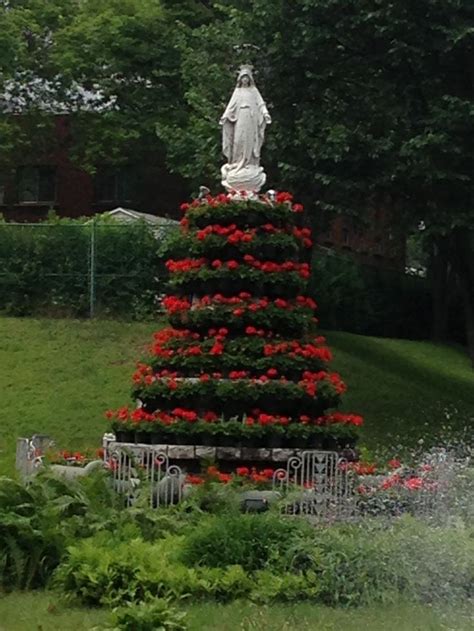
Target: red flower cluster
283	196
251	330
138	415
244	301
280	198
295	348
143	374
174	304
264	475
211	201
304	234
260	418
270	267
187	354
395	481
359	468
184	265
233	234
214	473
72	456
311	379
217	264
167	335
340	417
238	374
242	474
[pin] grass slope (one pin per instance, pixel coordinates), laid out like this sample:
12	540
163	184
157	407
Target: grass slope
43	610
58	377
406	390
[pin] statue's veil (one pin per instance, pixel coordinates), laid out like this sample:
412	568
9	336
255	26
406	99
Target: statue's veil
231	113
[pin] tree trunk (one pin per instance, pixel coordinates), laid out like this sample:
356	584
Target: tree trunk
440	289
469	311
463	256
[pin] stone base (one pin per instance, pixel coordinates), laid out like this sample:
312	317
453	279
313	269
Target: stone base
199	452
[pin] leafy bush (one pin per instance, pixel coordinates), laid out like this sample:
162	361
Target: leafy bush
33	522
251	541
370	562
104	571
368	300
156	615
46	268
39	520
267	558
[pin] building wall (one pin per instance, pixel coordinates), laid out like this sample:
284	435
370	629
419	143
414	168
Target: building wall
156	190
374	243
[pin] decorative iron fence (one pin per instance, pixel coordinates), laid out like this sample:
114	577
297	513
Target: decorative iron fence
318	485
144	473
325	487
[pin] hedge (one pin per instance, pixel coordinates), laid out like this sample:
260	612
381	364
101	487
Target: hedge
59	268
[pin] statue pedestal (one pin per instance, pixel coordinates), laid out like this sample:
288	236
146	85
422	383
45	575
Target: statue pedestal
250	178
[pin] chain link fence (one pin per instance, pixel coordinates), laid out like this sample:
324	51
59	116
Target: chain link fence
81	269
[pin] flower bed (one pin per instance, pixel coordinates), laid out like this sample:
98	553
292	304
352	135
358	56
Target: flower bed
239	364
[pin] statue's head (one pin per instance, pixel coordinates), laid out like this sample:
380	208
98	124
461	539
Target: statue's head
245	77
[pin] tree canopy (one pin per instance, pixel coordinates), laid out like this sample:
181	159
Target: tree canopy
372	101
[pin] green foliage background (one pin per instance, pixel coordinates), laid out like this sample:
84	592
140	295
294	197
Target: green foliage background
51	269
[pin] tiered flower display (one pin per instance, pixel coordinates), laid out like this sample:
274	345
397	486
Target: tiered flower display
240	364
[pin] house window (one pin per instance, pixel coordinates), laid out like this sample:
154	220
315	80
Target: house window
36	184
114	185
345	236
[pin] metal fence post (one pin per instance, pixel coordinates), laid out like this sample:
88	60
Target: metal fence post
92	254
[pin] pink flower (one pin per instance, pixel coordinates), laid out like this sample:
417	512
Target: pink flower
394	463
414	484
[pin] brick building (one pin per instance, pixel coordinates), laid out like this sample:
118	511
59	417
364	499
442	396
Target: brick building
29	191
376	243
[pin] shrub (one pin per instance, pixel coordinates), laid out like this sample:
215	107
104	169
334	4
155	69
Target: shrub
252	541
157	615
39	520
370	562
280	560
46	268
369	300
103	571
33	526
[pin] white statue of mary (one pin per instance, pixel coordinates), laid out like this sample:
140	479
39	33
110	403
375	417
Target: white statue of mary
243	129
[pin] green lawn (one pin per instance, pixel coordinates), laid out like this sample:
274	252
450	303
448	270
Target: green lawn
58	377
43	611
